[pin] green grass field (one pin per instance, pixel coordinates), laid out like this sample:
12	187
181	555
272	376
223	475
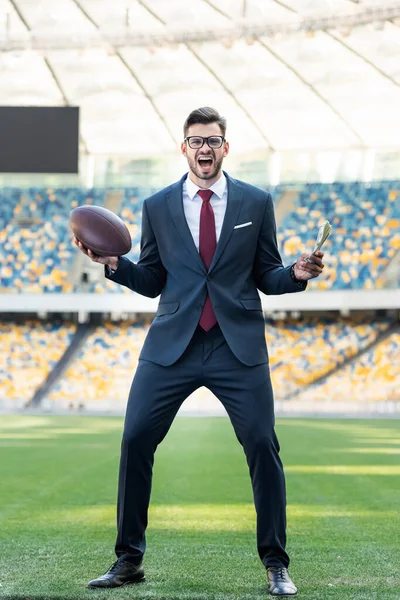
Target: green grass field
57	512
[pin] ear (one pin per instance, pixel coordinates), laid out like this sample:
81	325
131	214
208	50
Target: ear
183	148
226	148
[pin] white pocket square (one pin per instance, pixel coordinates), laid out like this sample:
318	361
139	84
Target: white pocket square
243	225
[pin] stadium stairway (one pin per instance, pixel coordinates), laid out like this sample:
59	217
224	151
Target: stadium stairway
394	328
79	338
113	200
284	205
391	274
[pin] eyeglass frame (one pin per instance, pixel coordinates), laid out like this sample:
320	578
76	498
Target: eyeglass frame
205	140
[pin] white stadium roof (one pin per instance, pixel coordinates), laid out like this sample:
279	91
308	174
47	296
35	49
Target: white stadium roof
287	74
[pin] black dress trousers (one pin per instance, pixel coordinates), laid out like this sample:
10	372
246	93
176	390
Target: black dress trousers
156	394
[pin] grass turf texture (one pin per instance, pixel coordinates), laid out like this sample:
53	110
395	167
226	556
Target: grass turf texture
58	493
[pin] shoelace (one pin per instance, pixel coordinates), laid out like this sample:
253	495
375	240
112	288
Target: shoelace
281	572
114	566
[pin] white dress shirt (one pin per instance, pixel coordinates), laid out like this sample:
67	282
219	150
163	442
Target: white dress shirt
192	205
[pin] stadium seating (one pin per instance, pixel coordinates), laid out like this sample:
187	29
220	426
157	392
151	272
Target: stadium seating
366	234
300	353
365	218
105	367
36	253
36	249
28	353
373	377
303	351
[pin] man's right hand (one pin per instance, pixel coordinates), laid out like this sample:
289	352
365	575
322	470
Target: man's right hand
110	261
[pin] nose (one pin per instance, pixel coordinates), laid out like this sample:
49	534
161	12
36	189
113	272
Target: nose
206	149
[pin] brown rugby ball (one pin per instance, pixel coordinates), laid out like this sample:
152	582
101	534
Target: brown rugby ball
100	230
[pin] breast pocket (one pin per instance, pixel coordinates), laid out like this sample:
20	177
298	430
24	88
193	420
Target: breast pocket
243	225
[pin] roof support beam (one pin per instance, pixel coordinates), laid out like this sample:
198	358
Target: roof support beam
353	51
365	59
218	9
299	76
235	99
349	48
214	75
52	72
133	75
314	91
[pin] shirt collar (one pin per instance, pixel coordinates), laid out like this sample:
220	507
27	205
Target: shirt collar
218	187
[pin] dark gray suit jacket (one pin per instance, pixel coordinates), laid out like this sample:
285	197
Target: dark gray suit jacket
245	259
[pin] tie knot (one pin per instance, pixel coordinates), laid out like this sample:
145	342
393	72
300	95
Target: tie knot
205	195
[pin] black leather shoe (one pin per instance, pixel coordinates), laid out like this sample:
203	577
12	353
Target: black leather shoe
280	583
120	573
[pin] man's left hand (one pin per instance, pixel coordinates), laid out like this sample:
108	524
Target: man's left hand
305	270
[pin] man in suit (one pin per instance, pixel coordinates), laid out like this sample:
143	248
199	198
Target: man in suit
208	243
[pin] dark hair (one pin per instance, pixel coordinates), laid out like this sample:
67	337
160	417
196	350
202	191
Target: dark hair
204	115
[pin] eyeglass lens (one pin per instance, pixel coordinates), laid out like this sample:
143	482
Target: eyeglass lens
213	142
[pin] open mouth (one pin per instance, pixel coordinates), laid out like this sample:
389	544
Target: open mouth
205	162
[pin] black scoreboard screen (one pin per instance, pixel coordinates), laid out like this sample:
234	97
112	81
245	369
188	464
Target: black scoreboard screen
39	139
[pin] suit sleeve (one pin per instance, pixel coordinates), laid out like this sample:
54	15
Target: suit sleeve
148	276
270	275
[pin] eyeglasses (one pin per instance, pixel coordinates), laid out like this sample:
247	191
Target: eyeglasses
195	141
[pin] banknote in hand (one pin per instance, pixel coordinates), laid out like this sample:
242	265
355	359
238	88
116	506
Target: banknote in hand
323	234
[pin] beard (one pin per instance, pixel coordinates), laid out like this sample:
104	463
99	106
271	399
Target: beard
196	170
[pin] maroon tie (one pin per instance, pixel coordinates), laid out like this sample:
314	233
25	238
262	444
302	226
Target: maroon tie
207	245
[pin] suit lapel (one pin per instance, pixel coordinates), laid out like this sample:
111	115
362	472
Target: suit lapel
234	203
175	205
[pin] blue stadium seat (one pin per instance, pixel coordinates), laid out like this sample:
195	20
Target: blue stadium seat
37	257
